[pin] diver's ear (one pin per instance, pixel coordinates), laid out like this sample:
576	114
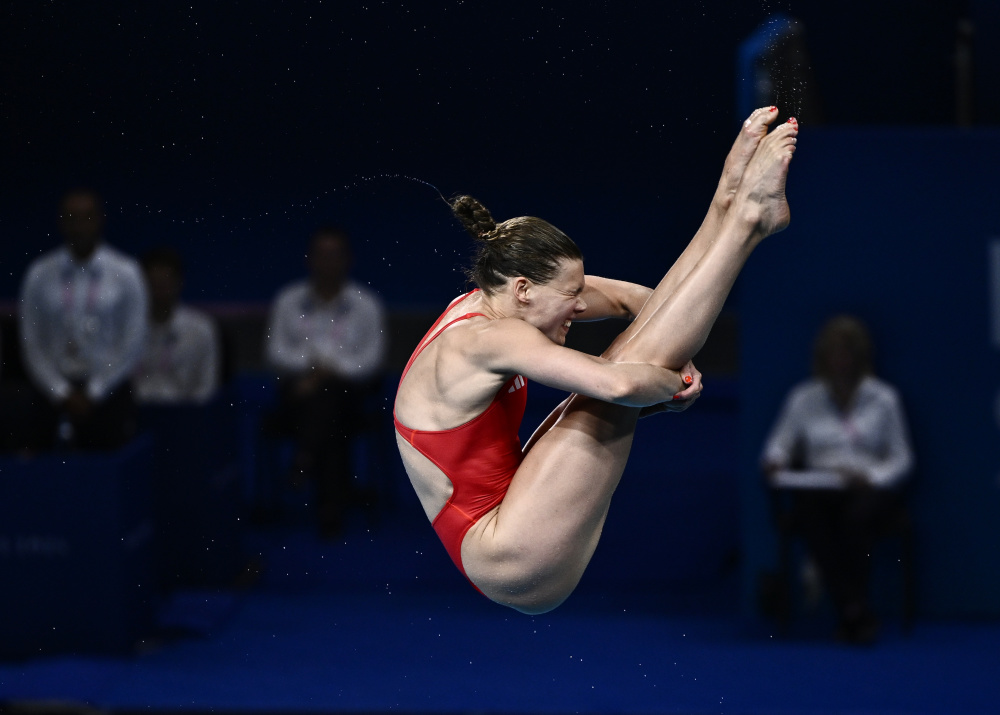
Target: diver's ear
522	290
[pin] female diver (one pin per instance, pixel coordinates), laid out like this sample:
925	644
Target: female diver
522	524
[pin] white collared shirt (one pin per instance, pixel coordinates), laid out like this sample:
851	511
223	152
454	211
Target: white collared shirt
180	362
82	320
345	335
870	438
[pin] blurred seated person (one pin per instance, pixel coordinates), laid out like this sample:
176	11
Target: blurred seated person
180	361
847	422
326	339
83	323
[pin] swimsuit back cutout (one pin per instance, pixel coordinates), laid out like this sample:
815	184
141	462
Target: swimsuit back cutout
480	457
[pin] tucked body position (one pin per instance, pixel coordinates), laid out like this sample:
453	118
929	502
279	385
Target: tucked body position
522	522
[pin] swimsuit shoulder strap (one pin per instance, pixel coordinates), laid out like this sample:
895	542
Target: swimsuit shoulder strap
434	331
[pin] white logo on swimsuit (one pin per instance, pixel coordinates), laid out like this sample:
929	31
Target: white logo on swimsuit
518	383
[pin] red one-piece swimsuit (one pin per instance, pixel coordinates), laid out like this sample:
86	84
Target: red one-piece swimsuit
480	457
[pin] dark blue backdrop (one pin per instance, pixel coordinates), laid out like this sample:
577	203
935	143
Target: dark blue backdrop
231	129
894	226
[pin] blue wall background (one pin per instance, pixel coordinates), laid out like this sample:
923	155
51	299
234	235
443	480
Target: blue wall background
894	226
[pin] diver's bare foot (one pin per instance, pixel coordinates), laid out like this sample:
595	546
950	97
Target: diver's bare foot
760	198
753	130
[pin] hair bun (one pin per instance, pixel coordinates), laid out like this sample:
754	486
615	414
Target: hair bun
474	217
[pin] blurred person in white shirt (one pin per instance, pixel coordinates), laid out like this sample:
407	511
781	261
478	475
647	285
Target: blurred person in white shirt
180	360
847	422
83	323
326	340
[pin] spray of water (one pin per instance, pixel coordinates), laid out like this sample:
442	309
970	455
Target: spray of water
293	210
786	64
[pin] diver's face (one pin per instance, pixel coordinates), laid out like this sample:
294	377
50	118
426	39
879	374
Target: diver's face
555	304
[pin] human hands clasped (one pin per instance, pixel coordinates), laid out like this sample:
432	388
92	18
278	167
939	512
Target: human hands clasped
683	399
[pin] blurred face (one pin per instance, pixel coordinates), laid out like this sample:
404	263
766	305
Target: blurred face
555	304
164	287
329	259
842	363
81	222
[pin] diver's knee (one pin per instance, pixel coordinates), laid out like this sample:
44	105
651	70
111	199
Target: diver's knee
531	603
529	591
